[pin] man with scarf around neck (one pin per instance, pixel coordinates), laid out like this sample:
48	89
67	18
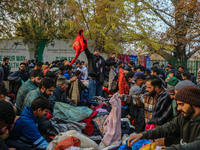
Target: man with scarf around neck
96	71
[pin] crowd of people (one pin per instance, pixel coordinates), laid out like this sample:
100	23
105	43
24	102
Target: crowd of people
107	99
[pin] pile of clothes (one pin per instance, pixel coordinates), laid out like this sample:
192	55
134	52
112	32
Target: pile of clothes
82	127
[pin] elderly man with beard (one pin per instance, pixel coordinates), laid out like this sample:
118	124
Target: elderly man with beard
186	125
31	84
157	102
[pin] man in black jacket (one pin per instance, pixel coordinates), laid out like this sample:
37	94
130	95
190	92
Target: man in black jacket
186	125
59	93
6	68
96	72
157	102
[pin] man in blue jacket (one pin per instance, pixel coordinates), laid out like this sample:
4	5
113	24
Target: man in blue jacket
22	73
25	128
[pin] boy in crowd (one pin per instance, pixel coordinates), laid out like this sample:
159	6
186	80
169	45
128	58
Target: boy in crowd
25	128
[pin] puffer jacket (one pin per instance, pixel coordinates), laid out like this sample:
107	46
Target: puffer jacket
31	96
22	92
187	130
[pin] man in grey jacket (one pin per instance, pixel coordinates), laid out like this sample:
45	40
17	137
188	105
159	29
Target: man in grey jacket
186	125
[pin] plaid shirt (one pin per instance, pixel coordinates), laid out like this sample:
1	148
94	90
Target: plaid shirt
149	103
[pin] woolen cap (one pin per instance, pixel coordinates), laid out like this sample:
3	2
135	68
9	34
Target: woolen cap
135	90
189	94
173	81
62	80
55	70
182	84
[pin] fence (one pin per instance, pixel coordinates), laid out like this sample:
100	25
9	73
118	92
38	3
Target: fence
189	66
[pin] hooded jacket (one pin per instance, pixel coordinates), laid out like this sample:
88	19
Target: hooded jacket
187	130
23	91
25	130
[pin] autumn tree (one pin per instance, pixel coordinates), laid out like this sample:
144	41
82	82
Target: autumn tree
179	39
109	23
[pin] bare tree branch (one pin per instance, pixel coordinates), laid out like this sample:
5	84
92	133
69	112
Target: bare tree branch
157	13
193	52
165	12
193	37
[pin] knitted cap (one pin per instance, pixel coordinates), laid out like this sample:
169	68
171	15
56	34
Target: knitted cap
173	81
55	70
135	90
182	84
62	80
189	94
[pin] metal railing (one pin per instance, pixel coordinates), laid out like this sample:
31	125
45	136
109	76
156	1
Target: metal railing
189	66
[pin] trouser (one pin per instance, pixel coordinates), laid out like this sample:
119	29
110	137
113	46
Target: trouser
6	85
95	88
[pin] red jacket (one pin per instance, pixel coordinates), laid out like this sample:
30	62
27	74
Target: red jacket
80	44
122	83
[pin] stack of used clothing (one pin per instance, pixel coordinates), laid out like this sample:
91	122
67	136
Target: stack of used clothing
85	142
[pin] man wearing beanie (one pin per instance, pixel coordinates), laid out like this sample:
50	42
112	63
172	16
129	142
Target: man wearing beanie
181	84
172	82
59	93
186	125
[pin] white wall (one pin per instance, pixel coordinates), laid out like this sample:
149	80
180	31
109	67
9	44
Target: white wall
56	50
15	50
